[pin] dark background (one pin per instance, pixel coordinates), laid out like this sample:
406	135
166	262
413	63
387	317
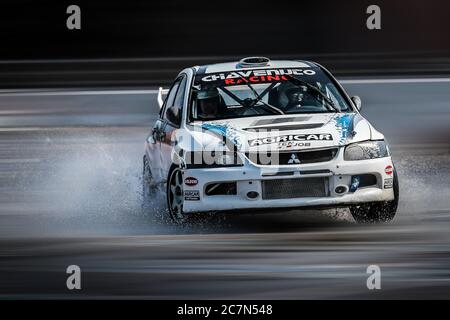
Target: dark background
146	42
71	158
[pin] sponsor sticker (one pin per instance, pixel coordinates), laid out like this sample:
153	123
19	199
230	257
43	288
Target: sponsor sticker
388	170
293	144
256	76
190	181
388	183
192	195
289	138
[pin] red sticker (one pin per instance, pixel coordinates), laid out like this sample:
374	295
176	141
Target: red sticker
190	181
388	170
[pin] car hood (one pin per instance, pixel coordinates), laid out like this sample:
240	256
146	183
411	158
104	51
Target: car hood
287	132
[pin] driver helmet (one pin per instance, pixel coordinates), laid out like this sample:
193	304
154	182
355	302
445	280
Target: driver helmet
209	101
208	94
296	96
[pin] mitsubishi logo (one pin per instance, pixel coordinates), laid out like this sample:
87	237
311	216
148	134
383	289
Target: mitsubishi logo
293	159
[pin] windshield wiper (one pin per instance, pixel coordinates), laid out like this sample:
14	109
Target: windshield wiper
251	102
258	98
329	102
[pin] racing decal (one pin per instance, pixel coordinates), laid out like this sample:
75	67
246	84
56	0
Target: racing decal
293	144
192	195
255	76
344	126
289	138
388	170
388	183
190	181
224	130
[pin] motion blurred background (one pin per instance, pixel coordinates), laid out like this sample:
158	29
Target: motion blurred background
148	42
76	107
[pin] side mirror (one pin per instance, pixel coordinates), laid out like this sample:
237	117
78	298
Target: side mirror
357	102
173	114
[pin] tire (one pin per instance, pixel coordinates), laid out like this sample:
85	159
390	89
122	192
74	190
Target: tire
175	195
377	211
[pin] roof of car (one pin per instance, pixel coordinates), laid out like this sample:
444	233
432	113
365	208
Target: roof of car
237	65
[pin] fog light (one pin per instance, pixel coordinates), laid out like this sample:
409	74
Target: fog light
340	189
252	195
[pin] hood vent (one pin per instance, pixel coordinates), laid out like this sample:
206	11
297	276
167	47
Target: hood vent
279	120
253	62
285	128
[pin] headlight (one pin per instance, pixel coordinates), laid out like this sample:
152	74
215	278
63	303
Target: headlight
366	150
212	159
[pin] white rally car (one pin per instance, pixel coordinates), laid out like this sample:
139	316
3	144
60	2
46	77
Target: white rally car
265	134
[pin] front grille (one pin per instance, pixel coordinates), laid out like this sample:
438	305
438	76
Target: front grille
294	188
292	157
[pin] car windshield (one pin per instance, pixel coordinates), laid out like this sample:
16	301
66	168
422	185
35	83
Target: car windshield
259	92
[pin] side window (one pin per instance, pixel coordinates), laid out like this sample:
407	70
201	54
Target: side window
179	98
170	97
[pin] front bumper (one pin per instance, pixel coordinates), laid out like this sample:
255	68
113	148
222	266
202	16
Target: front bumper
250	177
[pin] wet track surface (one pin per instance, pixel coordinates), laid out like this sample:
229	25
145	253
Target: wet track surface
70	193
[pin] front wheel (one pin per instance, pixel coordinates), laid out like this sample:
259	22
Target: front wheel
377	211
175	195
